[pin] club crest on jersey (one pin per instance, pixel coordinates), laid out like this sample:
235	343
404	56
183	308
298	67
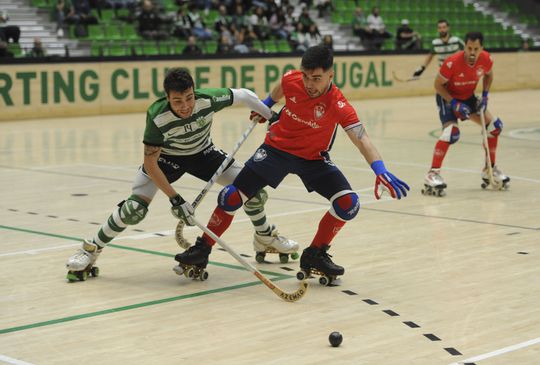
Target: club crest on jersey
479	72
259	155
319	110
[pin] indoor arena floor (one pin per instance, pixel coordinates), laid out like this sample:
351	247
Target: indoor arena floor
428	280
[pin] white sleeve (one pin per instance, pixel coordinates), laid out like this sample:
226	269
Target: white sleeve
250	99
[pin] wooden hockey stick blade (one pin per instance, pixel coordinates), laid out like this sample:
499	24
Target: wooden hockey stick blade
398	79
288	297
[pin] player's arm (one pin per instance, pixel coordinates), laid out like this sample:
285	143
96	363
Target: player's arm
385	180
422	68
151	156
487	81
251	100
440	87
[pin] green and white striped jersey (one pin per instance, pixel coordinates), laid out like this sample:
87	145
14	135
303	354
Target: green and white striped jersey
444	49
181	137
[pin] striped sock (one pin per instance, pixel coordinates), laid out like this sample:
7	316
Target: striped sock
112	228
258	219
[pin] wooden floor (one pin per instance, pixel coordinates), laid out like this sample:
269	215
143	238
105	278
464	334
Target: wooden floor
428	280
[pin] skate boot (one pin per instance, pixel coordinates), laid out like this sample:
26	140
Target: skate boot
193	261
318	262
434	184
81	264
501	180
274	243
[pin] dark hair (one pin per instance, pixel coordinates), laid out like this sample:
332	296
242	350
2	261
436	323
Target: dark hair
318	56
443	21
472	36
177	79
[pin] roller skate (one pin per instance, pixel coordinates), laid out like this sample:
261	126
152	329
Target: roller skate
502	181
434	184
275	244
316	261
81	264
192	262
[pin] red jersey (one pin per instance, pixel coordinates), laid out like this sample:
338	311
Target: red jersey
462	77
307	126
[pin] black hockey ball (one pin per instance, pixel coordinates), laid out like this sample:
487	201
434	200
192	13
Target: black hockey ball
335	339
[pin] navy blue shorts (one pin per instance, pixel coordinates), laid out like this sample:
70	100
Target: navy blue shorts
269	166
445	110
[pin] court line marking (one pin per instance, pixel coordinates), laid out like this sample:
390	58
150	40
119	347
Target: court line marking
498	352
10	360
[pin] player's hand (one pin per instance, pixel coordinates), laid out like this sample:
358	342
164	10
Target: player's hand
256	117
181	209
388	182
418	72
483	102
460	109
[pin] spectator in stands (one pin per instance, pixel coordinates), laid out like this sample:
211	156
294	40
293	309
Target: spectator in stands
240	20
181	27
313	36
223	20
359	25
259	24
225	44
64	12
377	29
277	24
198	28
150	22
8	32
290	21
298	40
83	14
406	37
241	44
328	41
192	48
324	7
37	49
305	19
4	51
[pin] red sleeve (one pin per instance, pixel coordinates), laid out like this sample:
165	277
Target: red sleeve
446	68
285	82
488	64
347	115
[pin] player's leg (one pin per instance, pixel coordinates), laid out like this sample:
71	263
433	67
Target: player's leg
333	185
128	212
494	127
433	182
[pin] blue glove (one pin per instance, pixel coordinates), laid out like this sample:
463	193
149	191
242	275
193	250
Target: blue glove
460	109
388	182
483	103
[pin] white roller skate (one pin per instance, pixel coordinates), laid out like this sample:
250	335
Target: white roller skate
274	243
81	264
434	183
501	180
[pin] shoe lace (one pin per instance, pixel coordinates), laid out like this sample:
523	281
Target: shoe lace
326	257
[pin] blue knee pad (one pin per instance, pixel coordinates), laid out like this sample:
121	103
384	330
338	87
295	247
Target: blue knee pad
495	128
345	206
229	198
450	134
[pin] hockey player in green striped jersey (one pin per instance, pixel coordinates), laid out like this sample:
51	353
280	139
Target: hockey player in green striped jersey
442	47
177	141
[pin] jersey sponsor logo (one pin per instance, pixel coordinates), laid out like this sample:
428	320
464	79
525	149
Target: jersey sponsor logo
260	155
209	150
174	165
319	110
293	99
215	221
464	83
449	64
341	104
218	99
296	118
480	72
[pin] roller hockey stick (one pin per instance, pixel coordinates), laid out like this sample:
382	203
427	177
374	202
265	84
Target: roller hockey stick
494	184
289	297
179	231
399	79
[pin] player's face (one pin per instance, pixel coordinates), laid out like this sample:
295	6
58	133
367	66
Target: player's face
472	51
182	102
317	81
442	28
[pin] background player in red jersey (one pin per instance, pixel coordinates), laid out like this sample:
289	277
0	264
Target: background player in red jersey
455	85
298	142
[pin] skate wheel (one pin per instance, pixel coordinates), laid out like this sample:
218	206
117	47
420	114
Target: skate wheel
283	258
301	275
440	193
423	192
325	280
259	257
94	271
190	273
72	277
204	275
484	185
295	255
179	270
